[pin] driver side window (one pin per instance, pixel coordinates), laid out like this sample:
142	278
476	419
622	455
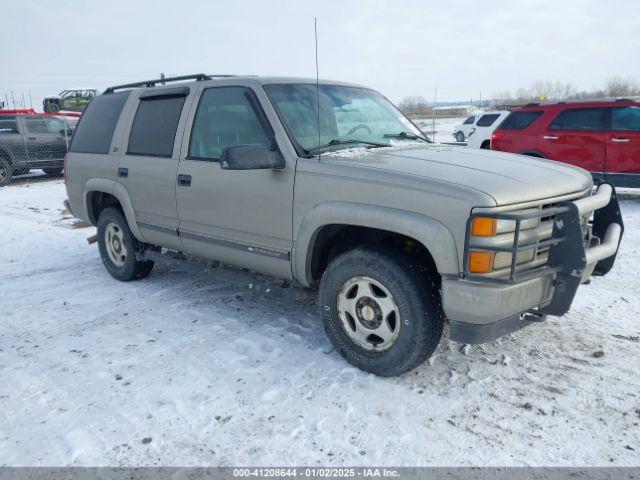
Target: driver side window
225	117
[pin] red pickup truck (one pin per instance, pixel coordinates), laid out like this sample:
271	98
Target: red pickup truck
600	136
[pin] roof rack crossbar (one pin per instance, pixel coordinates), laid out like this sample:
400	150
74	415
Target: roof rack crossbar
152	83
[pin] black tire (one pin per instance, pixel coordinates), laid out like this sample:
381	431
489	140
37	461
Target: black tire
53	172
459	137
132	267
6	171
416	297
52	107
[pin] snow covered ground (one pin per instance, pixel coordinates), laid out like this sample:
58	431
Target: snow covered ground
216	366
443	127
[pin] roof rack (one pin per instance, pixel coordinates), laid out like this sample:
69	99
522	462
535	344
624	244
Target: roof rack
198	77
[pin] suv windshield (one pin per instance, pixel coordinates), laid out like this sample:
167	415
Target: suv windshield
346	113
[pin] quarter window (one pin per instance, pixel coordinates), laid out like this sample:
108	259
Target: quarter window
226	117
153	132
95	129
487	120
469	120
626	119
579	119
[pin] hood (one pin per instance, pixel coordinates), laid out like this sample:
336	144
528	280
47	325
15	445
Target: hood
506	177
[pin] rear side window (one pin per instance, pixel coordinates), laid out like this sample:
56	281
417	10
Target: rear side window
44	125
154	127
625	118
36	125
487	120
519	120
580	119
94	132
469	120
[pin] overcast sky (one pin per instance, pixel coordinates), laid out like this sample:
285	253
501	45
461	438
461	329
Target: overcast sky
399	47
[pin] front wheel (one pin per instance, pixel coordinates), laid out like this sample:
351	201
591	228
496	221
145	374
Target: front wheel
121	253
381	313
6	172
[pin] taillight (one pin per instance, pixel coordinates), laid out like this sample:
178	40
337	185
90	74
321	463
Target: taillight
64	168
497	135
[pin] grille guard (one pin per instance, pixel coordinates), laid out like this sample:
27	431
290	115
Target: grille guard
568	254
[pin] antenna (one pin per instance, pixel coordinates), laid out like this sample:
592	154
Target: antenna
315	30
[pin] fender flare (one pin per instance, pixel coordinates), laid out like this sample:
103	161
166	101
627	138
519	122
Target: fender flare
435	237
117	190
533	153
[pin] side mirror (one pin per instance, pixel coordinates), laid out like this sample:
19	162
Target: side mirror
249	157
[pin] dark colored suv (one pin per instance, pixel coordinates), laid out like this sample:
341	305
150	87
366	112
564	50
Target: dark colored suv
600	136
32	141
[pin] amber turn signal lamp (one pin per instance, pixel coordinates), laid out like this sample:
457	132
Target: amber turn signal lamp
483	227
480	261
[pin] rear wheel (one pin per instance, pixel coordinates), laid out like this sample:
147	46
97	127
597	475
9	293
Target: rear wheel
6	171
381	313
459	137
121	253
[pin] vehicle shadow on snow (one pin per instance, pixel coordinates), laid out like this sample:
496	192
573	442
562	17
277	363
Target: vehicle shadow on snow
260	301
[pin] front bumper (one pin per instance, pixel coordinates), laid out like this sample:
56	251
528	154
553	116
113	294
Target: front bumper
483	308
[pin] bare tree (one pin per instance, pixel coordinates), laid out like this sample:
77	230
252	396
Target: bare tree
414	105
621	87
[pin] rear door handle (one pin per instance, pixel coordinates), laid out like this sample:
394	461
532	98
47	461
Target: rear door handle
123	172
31	138
620	140
550	137
184	180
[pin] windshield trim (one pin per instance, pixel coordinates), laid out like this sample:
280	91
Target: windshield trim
300	150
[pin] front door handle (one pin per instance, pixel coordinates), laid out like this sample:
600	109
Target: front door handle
123	172
184	180
620	140
550	137
31	138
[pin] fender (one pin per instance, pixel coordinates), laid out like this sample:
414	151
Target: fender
426	230
117	190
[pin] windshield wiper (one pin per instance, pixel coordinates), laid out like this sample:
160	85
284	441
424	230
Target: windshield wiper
407	135
346	141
